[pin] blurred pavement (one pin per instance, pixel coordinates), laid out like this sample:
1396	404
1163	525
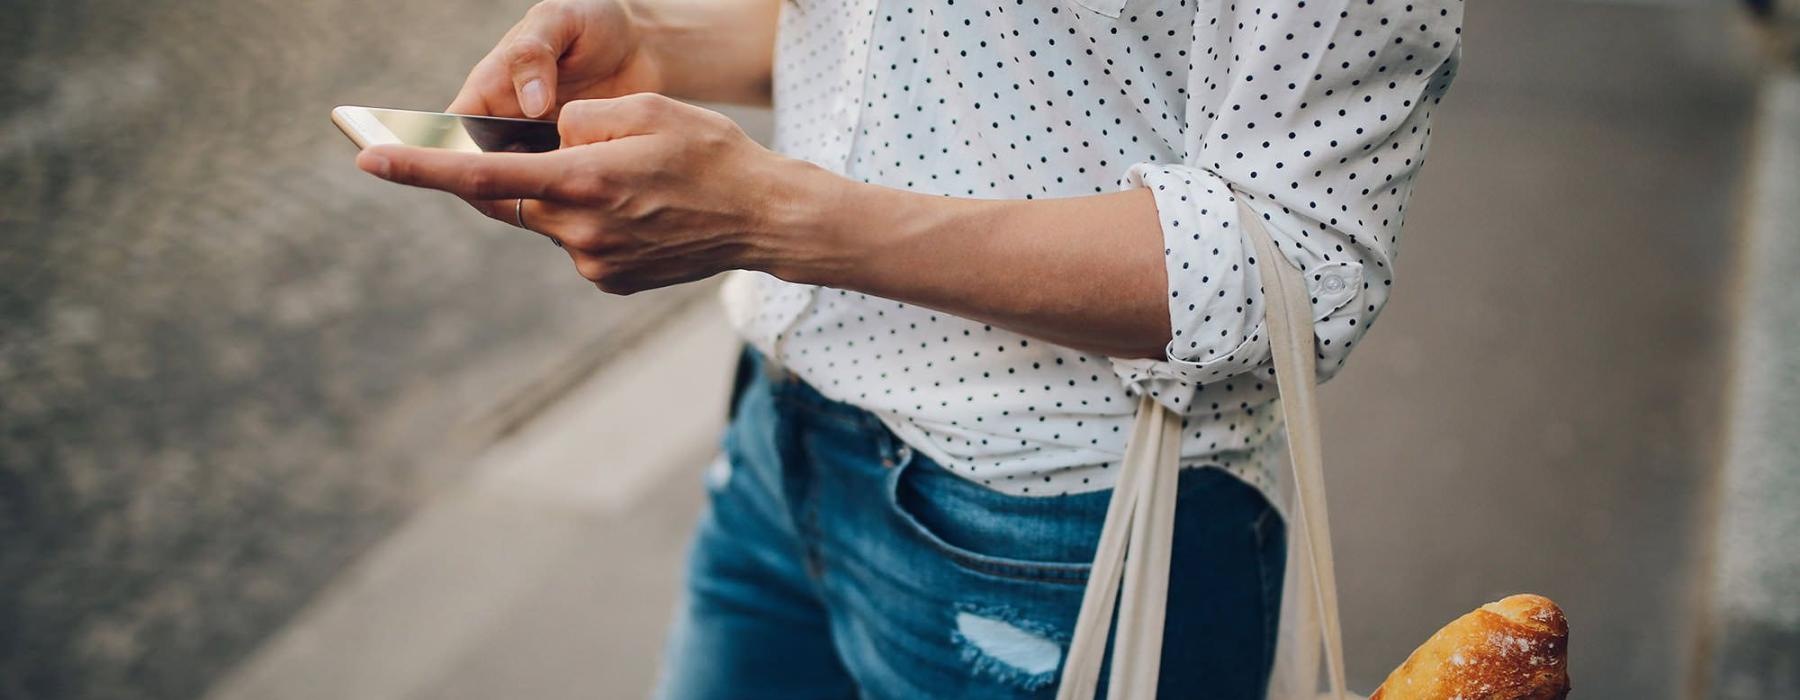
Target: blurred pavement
1754	630
550	573
230	361
1540	407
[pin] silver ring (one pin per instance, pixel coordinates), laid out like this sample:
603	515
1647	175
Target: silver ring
519	217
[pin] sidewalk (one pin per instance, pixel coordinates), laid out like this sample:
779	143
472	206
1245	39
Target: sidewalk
1755	602
550	573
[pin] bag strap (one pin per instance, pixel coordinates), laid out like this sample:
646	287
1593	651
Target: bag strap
1140	516
1288	312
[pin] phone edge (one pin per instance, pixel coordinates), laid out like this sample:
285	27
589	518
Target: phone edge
458	114
360	132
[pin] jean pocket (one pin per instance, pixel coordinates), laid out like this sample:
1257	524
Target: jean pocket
1049	539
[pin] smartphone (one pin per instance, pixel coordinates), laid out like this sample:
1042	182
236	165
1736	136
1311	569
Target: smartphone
372	126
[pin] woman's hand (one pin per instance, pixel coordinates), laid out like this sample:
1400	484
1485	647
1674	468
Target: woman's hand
646	192
562	51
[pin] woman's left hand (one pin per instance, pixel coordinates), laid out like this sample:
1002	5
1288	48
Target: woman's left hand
645	192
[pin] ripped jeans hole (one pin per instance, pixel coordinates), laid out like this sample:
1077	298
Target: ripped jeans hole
718	474
1015	651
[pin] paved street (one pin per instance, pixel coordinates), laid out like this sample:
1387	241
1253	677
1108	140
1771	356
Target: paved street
549	574
1539	409
230	362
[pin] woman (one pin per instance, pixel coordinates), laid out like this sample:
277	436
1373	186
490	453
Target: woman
985	228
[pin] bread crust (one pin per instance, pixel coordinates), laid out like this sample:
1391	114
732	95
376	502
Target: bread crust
1515	648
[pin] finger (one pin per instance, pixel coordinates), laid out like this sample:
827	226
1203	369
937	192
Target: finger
500	210
592	121
537	216
472	176
531	54
488	91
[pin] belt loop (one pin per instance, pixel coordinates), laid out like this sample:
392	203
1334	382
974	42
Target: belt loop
775	372
770	370
894	451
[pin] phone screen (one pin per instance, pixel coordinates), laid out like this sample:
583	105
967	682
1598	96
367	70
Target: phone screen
463	133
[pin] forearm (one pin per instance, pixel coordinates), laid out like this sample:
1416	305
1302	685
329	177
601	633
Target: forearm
1085	272
711	50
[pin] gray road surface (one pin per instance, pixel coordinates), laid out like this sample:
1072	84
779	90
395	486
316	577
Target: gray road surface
230	361
1538	409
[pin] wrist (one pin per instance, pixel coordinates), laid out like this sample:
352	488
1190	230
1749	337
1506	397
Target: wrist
806	234
835	232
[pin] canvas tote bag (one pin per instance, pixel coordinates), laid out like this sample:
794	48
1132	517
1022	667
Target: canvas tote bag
1137	535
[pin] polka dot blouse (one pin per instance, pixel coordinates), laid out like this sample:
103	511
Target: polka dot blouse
1317	111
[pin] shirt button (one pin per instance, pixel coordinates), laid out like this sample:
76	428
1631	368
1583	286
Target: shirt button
1332	283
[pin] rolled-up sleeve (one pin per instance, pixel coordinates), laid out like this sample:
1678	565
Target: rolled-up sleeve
1318	116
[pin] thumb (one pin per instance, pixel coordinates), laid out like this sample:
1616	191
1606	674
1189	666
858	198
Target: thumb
532	53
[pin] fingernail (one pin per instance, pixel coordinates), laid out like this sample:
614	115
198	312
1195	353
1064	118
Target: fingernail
532	98
377	165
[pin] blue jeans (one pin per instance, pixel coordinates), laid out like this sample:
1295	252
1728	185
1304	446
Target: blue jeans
835	562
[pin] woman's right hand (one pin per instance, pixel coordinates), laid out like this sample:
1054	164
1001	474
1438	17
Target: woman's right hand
562	51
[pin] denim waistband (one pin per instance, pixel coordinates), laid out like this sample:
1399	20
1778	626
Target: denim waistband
793	392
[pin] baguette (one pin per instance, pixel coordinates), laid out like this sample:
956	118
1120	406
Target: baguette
1511	649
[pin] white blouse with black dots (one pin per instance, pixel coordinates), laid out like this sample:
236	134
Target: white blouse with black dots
1318	111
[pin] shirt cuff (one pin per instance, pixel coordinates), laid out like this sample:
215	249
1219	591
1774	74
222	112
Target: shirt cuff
1214	293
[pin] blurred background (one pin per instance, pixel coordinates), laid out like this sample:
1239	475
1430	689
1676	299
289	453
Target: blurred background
272	429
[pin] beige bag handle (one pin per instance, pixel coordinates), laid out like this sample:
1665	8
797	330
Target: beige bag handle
1140	517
